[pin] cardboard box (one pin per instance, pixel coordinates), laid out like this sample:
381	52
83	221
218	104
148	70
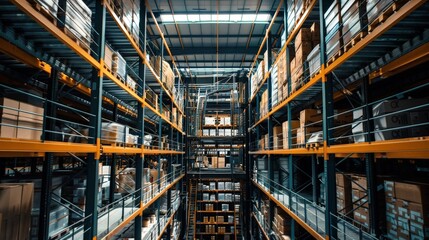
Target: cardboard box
8	127
221	162
304	133
308	116
293	132
315	33
412	192
359	183
278	137
303	35
10	207
302	52
29	130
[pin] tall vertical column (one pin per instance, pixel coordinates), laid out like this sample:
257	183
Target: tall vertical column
91	208
49	126
329	159
370	158
112	186
141	123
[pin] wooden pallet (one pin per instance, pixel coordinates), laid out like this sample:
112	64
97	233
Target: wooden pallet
335	57
45	12
314	145
60	235
355	40
385	15
79	42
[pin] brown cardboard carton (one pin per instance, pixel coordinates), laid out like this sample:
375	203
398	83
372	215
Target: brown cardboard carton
10	207
221	162
9	131
359	182
419	212
10	107
303	35
315	33
308	116
215	162
30	113
389	189
278	137
302	52
412	192
9	116
285	130
29	130
304	133
26	206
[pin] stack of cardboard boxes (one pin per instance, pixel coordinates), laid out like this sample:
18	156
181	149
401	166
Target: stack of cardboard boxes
360	200
350	17
167	72
293	135
129	12
344	194
281	222
16	200
281	76
407	215
263	142
151	98
20	120
263	105
385	118
277	137
333	30
305	40
306	117
75	16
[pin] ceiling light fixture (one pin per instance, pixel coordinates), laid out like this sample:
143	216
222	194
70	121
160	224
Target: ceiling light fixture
260	18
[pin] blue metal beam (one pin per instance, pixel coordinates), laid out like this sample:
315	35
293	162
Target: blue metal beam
178	51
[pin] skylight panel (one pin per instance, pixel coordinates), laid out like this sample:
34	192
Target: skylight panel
167	18
181	18
248	17
194	17
235	17
262	17
205	17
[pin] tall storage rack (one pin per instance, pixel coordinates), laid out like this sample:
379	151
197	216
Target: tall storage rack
336	150
88	124
215	162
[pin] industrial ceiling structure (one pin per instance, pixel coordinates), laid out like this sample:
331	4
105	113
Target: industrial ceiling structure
214	39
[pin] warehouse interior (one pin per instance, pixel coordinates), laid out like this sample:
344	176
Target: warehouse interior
232	120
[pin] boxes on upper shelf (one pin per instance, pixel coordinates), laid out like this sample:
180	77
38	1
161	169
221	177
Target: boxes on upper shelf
285	130
76	19
277	137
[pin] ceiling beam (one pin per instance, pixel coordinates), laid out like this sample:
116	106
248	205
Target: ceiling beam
211	36
212	50
212	61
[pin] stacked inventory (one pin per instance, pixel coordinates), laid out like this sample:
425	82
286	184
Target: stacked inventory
75	16
16	200
20	120
71	103
406	210
218	208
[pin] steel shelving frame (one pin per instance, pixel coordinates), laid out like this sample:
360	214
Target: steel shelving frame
352	64
90	62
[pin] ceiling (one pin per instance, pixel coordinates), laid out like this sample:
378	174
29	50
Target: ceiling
203	49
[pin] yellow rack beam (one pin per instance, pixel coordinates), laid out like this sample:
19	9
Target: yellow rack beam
141	209
303	224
